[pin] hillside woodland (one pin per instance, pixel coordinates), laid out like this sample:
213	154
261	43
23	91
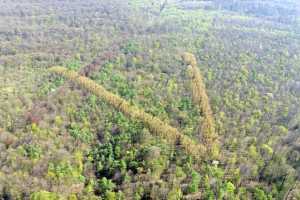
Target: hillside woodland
149	99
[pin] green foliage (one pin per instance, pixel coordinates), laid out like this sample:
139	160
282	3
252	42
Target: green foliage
131	47
155	160
195	181
58	121
253	152
64	170
109	195
48	87
155	125
118	82
81	134
44	195
106	185
139	193
267	149
180	173
208	193
175	194
34	128
73	64
259	194
122	86
215	171
230	189
248	55
33	151
105	158
72	197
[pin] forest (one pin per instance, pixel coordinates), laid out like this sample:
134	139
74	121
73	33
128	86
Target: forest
149	99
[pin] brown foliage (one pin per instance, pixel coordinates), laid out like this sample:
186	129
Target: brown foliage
200	98
155	125
97	63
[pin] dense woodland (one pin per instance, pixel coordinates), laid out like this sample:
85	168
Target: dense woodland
132	116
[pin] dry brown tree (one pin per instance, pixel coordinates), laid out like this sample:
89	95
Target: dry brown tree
207	131
155	125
